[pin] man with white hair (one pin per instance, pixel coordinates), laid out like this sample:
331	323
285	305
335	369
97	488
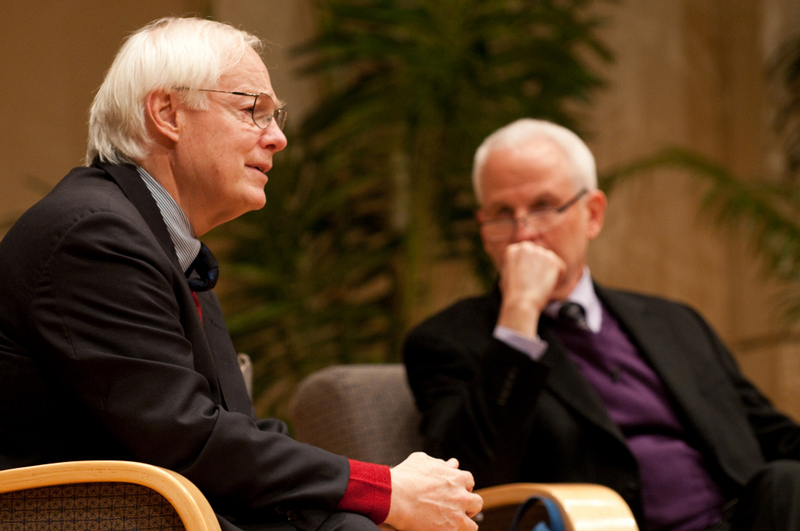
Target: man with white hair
551	377
112	345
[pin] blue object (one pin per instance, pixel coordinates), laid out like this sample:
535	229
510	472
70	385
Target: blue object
553	514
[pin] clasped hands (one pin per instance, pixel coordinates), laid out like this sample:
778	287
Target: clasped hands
430	494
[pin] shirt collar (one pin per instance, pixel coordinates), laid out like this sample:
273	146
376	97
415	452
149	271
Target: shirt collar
180	230
583	294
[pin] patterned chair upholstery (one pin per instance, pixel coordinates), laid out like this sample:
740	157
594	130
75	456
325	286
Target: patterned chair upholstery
103	495
367	412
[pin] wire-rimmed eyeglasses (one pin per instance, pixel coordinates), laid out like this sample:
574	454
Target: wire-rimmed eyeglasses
263	110
540	220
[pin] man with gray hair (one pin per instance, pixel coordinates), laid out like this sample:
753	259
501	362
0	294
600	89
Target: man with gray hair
112	344
551	377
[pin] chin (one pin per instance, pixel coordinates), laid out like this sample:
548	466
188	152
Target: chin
257	201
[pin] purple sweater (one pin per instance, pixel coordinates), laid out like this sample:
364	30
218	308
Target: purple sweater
677	492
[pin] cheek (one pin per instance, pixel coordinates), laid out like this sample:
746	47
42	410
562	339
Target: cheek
495	252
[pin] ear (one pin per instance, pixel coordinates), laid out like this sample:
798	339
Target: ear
596	205
160	108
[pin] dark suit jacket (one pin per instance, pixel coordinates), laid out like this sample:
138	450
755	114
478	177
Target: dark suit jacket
508	418
103	356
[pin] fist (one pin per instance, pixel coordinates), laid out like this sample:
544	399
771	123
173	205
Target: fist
432	495
530	272
528	277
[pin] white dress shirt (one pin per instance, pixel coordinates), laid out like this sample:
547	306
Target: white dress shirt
187	247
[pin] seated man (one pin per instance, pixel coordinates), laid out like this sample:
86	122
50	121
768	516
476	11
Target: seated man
553	378
112	345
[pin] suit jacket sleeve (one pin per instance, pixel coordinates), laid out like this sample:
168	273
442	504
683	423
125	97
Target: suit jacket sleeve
472	390
778	435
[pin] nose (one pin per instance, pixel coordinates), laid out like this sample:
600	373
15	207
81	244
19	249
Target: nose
272	138
525	231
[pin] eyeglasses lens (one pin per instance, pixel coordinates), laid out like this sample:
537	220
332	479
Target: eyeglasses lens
265	110
503	229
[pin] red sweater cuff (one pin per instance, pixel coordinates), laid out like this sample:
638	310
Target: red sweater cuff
369	491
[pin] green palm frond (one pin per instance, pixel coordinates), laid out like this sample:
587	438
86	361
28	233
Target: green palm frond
784	76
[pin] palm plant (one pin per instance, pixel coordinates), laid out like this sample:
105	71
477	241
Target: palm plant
415	85
307	283
784	77
377	186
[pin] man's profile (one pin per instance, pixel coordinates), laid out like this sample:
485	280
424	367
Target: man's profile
112	344
551	377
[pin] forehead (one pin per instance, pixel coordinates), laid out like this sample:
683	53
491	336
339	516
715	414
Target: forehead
535	168
249	75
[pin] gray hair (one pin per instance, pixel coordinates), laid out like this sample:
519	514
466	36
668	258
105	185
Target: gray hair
517	134
168	53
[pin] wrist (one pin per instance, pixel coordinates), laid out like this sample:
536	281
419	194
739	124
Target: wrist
520	316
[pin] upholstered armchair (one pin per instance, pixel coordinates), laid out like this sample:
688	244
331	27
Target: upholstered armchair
367	412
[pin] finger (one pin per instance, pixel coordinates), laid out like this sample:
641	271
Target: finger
452	462
470	482
474	504
467	524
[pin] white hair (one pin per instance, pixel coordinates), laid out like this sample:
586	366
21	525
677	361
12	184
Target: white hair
170	53
520	133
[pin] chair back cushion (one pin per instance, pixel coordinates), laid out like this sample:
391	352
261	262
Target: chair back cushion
364	412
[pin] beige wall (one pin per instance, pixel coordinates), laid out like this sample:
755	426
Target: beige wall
688	72
53	55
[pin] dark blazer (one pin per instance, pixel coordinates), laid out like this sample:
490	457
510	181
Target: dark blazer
508	418
103	356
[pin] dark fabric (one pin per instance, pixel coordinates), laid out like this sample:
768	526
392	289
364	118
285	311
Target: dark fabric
103	356
508	418
207	269
314	521
574	314
771	500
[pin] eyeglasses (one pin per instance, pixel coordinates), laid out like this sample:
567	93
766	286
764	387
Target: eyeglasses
540	220
263	110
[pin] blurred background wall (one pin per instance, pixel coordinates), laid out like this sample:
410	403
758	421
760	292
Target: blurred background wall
687	73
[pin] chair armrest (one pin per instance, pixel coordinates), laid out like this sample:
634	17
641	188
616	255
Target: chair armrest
584	506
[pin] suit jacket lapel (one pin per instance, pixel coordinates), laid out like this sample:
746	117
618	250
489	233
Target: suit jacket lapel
566	381
132	185
136	191
234	391
701	391
658	345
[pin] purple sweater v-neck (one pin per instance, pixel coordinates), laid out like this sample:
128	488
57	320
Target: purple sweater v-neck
678	493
